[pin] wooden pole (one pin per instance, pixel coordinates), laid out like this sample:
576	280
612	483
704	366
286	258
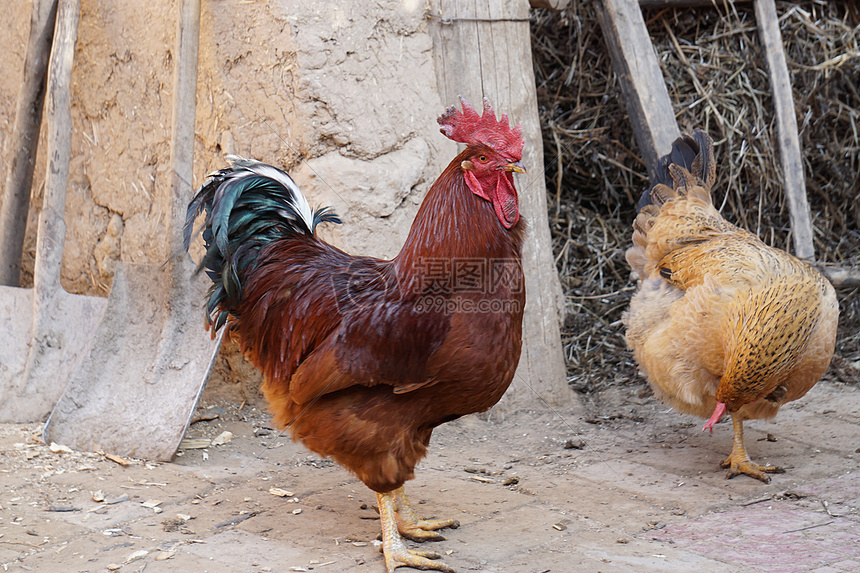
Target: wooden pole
483	48
25	141
51	237
786	123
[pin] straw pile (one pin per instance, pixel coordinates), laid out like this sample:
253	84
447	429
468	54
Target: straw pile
717	77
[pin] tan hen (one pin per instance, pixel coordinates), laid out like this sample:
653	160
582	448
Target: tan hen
721	321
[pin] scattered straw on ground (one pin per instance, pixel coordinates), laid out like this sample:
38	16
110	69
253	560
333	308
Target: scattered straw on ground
717	77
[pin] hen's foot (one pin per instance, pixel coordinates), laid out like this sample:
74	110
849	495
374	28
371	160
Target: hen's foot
739	462
413	527
750	468
395	551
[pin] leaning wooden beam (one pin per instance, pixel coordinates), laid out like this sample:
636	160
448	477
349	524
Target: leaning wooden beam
786	122
642	84
654	124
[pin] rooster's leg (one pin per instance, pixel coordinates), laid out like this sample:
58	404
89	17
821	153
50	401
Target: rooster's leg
396	554
413	527
739	462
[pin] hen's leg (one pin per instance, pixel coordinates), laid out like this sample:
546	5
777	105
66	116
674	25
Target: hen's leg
413	527
396	554
739	462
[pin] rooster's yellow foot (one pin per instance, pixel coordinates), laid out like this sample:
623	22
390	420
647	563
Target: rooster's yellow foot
398	556
413	527
396	516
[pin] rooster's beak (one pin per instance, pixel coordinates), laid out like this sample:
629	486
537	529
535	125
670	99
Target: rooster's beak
516	166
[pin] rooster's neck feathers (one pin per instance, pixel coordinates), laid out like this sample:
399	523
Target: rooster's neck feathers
454	223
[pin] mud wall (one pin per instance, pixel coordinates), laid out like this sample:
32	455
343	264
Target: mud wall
307	86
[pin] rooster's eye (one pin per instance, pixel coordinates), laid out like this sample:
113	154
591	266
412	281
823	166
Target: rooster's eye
482	159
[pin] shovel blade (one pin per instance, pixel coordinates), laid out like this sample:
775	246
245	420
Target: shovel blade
37	357
136	389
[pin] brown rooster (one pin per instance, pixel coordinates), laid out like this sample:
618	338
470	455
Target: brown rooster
721	321
363	358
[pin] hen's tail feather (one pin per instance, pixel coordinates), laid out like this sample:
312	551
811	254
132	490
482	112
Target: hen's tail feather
247	206
690	163
688	170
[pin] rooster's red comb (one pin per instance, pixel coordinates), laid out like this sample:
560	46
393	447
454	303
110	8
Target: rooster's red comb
470	128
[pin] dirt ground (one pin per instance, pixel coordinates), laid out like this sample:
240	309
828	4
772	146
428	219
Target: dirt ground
305	86
628	486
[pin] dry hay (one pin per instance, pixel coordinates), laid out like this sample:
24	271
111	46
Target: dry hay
717	79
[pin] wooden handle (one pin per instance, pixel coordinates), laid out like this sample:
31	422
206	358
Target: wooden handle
184	108
52	229
25	141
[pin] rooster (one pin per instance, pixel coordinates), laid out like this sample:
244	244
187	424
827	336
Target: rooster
721	322
362	358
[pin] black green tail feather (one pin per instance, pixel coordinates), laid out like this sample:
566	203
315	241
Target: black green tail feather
247	206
